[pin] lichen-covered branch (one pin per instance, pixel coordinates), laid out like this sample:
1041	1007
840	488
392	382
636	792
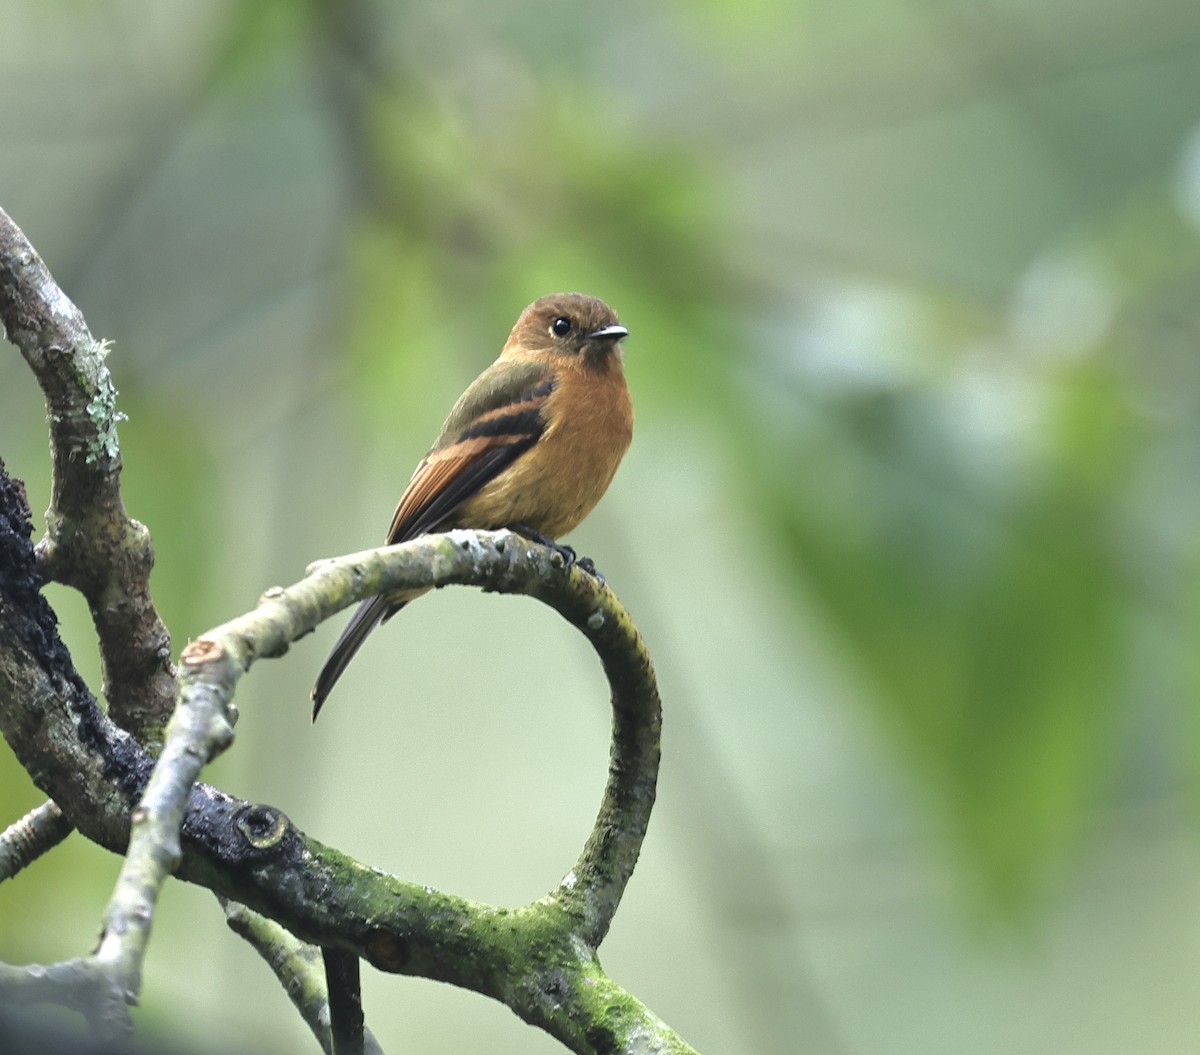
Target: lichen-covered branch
90	543
25	840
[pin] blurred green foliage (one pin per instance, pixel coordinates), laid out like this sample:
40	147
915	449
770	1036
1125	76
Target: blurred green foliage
911	293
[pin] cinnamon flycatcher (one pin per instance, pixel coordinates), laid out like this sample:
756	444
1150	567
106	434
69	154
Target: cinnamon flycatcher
532	445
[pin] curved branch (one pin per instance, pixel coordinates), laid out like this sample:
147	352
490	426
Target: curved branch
91	543
508	563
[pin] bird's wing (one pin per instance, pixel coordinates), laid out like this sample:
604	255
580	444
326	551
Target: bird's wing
497	419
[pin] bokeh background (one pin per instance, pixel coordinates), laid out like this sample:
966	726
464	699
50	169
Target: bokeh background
910	522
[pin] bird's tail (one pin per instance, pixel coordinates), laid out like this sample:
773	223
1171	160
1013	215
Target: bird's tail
368	615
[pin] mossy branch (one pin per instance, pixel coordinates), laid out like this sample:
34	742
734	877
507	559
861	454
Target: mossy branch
507	563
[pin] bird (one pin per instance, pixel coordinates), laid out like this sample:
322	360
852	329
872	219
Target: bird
531	445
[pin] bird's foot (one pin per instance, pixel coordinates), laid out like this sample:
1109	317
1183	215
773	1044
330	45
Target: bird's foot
570	559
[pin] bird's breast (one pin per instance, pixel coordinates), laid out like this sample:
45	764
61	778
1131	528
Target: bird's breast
556	483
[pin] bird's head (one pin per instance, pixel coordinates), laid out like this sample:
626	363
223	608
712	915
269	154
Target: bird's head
571	324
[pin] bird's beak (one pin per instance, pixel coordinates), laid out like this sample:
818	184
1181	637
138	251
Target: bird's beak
612	333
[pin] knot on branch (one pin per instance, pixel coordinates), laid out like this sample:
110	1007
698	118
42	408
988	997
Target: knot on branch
263	827
240	834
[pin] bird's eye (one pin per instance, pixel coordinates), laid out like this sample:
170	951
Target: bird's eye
561	326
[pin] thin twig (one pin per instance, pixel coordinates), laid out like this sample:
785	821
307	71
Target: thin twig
196	734
297	965
25	840
344	985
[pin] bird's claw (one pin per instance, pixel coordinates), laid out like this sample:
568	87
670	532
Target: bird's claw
570	559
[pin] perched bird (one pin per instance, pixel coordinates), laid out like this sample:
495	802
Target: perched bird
531	445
